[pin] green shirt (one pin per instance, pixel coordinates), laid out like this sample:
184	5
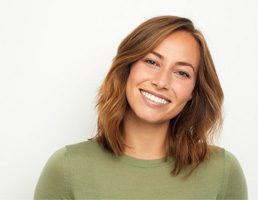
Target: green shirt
86	171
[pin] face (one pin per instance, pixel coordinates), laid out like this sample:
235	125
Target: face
160	84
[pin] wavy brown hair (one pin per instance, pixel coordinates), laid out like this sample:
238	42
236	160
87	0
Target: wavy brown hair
190	133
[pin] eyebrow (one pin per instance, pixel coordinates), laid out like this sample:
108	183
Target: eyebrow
177	63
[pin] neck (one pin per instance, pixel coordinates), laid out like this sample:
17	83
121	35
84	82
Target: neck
146	140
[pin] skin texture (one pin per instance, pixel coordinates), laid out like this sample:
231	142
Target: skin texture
145	125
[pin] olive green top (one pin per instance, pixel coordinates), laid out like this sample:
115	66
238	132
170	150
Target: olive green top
86	171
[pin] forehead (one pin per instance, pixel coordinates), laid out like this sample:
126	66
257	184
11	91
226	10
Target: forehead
179	46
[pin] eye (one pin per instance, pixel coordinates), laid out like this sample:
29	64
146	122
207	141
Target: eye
184	74
150	61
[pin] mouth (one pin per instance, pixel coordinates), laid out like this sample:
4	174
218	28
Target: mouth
154	97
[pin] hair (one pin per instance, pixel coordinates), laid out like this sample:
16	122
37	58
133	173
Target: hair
191	132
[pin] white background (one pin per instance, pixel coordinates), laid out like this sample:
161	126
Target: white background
55	54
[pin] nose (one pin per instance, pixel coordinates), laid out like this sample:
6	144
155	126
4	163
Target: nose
161	80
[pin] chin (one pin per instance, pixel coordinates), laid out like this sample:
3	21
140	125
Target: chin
151	120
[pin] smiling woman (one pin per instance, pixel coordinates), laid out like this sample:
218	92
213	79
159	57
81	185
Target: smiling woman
158	109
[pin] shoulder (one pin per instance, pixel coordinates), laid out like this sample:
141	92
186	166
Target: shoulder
61	159
220	163
86	152
82	147
65	163
227	161
85	149
233	183
220	154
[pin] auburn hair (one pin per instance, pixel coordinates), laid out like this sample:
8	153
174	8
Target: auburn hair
190	133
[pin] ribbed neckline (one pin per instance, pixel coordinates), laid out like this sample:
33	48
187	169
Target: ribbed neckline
137	162
142	162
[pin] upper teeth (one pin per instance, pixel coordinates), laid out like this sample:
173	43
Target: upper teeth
154	98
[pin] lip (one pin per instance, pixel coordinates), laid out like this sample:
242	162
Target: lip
152	104
155	94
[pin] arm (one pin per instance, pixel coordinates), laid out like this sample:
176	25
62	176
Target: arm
53	182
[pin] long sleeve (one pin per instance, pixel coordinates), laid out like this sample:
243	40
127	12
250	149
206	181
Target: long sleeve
53	182
235	186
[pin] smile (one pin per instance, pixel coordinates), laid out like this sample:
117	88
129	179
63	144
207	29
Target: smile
153	98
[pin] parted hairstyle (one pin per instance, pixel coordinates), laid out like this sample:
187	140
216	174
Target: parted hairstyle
190	133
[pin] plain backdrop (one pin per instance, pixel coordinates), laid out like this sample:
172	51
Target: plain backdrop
55	54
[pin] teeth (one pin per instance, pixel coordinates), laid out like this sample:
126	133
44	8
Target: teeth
154	98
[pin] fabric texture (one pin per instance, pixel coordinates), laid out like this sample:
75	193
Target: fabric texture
86	171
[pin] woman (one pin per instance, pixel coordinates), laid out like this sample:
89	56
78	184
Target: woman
158	108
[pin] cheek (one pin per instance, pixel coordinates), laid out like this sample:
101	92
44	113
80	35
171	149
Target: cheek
183	91
138	74
133	80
